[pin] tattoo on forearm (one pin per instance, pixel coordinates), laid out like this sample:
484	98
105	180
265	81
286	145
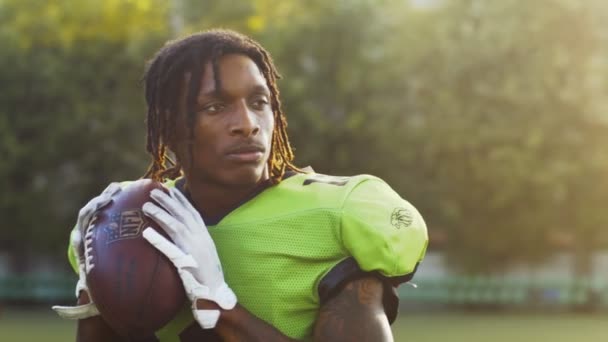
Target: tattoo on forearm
355	314
368	291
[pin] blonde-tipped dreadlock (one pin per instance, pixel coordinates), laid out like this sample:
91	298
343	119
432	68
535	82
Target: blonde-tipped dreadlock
164	78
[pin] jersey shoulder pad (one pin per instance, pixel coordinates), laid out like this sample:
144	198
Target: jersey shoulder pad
319	189
381	230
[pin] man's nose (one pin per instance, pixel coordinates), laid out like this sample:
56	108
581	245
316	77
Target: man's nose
245	121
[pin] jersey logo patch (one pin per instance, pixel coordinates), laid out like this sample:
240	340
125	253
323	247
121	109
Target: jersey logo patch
126	225
401	218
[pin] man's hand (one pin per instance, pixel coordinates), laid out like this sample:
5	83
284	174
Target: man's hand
83	225
192	252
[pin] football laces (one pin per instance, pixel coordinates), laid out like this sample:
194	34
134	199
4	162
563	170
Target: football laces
88	246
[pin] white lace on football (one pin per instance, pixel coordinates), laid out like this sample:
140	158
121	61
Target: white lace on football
84	226
88	246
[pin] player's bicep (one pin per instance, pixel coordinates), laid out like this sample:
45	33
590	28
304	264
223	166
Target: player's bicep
356	313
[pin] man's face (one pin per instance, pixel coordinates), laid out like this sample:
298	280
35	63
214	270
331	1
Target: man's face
232	126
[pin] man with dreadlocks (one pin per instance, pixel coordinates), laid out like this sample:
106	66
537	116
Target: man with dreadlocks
305	256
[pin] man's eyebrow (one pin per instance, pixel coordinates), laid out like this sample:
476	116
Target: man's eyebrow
217	94
259	88
211	93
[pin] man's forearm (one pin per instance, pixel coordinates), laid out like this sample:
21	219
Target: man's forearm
239	324
95	329
356	313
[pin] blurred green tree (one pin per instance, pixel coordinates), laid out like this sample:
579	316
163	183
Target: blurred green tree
506	105
70	110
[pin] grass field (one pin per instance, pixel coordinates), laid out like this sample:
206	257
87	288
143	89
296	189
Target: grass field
41	325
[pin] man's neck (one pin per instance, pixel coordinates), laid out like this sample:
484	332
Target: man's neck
214	201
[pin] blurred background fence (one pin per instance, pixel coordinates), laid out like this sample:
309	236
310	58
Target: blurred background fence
450	293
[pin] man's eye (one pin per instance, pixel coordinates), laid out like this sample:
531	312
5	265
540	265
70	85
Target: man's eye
213	108
260	103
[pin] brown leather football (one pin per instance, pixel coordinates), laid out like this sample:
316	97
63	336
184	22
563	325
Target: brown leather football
136	288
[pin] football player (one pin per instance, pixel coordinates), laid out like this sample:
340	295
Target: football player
266	251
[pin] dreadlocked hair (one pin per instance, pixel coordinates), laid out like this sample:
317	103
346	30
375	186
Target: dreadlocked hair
164	77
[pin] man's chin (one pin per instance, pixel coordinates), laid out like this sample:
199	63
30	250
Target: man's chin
245	177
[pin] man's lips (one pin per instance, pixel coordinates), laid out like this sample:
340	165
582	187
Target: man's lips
246	153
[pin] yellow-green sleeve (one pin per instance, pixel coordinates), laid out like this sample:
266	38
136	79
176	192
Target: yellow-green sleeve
72	253
382	231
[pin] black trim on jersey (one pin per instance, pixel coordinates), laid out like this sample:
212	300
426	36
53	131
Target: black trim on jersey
341	182
348	270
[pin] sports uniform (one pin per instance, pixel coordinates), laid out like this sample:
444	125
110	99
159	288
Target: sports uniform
291	247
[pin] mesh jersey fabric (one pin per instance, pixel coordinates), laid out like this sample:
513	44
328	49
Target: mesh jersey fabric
276	248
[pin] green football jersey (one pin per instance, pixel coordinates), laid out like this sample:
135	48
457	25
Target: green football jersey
278	247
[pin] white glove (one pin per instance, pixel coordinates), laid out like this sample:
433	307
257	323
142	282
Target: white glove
193	252
84	226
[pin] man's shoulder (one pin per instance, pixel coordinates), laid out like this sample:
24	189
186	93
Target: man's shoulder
318	182
318	189
302	193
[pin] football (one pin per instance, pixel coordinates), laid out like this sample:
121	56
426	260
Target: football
136	288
